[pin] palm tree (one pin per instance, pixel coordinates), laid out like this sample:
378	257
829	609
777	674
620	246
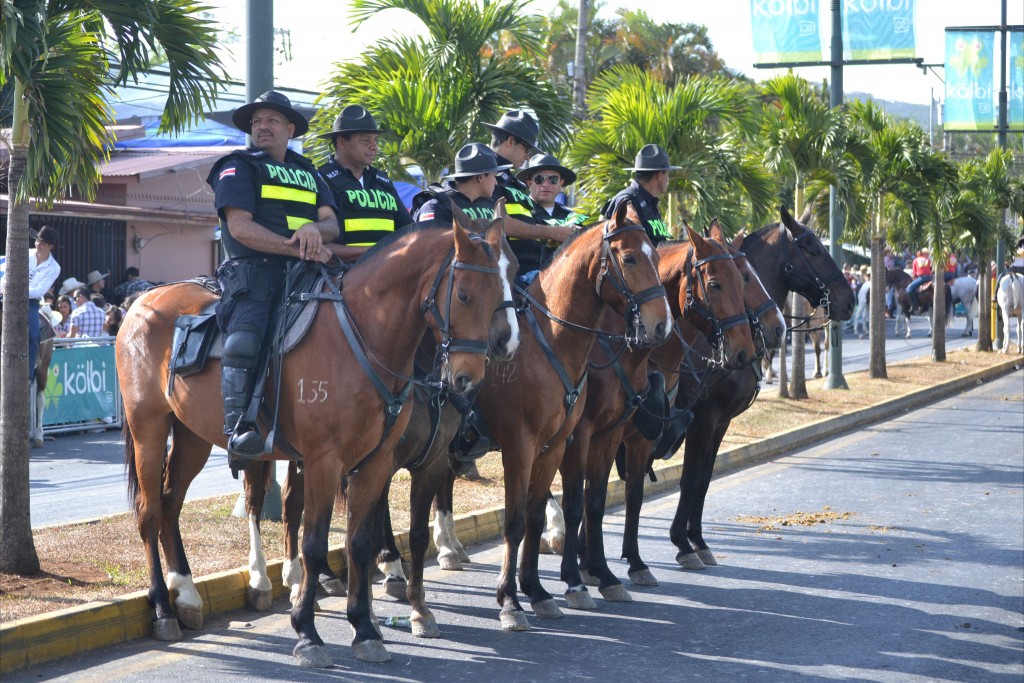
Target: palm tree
434	91
803	139
895	176
705	125
64	59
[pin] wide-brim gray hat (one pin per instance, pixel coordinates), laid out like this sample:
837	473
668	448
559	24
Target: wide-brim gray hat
353	119
652	158
70	285
520	124
474	159
242	117
94	277
546	162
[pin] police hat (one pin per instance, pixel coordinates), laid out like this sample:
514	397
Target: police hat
353	119
474	159
546	162
46	234
242	117
652	158
519	124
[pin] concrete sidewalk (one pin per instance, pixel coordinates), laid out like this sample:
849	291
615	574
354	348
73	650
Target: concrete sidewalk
75	630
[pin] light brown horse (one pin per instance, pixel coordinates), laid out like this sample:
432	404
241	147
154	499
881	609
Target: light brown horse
698	275
334	396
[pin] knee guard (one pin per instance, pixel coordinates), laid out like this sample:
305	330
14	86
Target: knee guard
242	349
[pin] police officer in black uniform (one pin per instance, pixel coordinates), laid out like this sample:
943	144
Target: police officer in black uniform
547	179
513	138
274	208
471	187
643	192
369	207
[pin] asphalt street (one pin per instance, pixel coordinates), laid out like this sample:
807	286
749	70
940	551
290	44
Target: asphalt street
913	572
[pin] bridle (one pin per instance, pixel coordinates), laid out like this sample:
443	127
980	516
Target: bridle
697	311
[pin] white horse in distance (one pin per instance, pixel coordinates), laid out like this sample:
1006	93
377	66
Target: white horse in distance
1010	296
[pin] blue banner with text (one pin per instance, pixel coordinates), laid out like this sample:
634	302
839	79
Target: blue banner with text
785	30
878	29
970	91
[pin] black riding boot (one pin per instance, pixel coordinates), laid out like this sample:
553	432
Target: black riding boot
236	384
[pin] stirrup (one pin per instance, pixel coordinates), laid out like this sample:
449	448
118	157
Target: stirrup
246	444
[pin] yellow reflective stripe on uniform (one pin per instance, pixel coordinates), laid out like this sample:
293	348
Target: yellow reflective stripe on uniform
360	224
296	222
360	244
290	194
517	210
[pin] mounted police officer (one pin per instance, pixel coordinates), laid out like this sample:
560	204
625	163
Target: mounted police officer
274	208
649	184
547	178
513	138
369	207
471	187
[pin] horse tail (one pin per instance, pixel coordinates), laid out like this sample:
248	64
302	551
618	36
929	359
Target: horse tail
129	465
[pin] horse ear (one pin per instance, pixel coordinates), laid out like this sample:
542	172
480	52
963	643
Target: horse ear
715	231
737	241
463	244
496	233
806	216
499	209
619	219
700	246
459	217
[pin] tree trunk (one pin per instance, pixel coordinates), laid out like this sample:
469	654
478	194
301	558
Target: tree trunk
939	313
783	383
985	297
579	68
798	377
17	548
876	335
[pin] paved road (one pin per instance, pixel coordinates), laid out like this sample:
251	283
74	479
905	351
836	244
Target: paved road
920	578
77	477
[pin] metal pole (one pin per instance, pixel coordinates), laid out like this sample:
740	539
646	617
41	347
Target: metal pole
579	73
835	379
1000	245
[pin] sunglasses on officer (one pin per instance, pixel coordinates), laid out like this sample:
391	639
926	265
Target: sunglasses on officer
539	179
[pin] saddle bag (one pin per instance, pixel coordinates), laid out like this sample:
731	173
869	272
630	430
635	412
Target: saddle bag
193	338
650	417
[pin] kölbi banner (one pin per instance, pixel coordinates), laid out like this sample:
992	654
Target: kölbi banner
970	81
793	30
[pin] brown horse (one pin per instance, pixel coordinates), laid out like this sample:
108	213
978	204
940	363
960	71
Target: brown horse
899	280
787	257
335	398
699	275
532	403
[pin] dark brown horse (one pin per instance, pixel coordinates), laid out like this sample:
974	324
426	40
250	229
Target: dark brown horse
899	280
787	257
334	399
705	288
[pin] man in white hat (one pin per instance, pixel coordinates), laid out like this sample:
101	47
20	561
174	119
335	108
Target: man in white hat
96	281
649	184
70	285
274	208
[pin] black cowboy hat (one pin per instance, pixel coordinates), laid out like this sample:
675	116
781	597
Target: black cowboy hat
474	159
545	162
353	119
46	234
519	124
242	117
652	158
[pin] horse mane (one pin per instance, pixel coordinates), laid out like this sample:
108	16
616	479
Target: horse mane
565	245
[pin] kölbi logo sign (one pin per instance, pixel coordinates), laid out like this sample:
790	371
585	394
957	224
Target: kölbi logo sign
85	378
785	8
870	6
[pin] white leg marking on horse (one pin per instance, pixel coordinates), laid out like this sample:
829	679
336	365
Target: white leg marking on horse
291	572
444	533
392	569
258	578
506	288
188	596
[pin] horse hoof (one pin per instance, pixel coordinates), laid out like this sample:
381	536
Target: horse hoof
333	587
191	617
707	557
37	443
166	630
555	543
579	599
312	656
371	651
257	599
588	580
425	626
547	609
396	588
514	620
689	561
644	577
464	556
616	593
449	561
544	548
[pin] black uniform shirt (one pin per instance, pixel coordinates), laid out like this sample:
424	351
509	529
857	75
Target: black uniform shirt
560	215
646	206
435	204
367	211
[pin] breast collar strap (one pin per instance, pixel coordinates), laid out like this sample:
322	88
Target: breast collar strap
572	391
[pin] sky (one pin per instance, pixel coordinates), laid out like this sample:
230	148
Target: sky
316	49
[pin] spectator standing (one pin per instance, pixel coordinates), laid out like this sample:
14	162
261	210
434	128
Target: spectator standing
132	284
96	281
43	271
86	319
112	321
64	307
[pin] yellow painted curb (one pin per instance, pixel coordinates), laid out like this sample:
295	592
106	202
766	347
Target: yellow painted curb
45	637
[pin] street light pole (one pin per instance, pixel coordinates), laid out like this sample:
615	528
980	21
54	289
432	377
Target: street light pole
835	379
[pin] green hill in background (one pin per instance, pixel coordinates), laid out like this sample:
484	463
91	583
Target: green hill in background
903	110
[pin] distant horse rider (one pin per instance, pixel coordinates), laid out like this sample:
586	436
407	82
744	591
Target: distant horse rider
922	272
471	187
274	208
369	207
649	185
